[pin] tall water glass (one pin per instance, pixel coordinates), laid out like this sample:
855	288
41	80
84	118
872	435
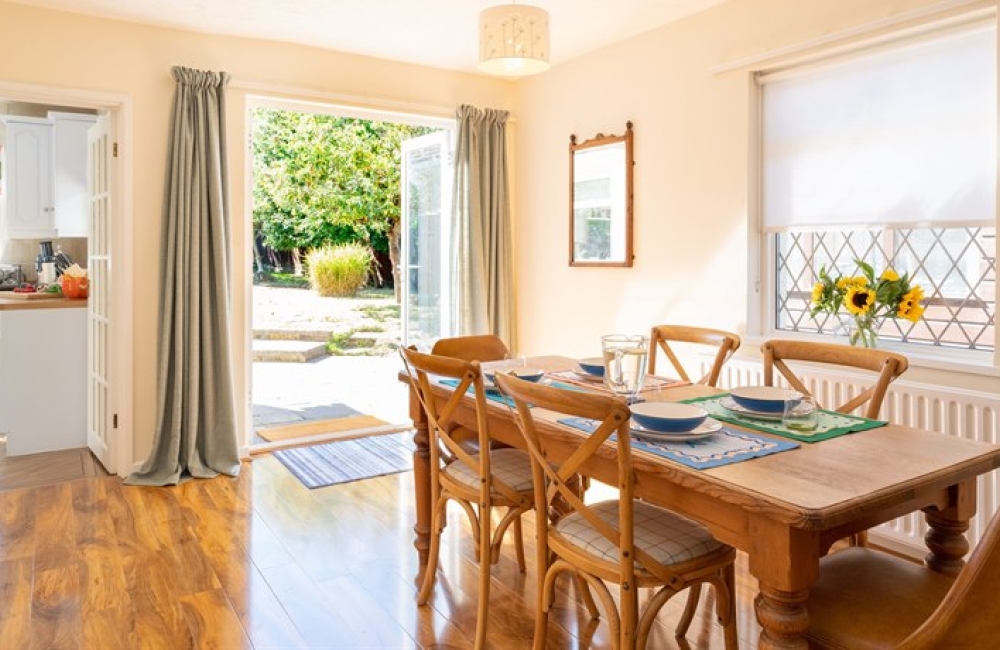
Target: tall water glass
625	362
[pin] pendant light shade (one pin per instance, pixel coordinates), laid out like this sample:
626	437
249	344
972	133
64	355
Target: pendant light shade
514	40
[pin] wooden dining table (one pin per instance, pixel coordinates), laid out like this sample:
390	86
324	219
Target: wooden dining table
783	510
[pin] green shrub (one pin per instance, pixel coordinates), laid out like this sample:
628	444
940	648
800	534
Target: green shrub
340	270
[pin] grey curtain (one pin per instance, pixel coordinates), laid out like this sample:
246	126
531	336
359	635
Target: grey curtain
195	423
481	223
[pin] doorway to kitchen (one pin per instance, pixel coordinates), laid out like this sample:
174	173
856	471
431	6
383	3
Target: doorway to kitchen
87	129
334	189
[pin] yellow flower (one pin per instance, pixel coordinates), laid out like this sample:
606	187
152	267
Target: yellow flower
859	299
910	307
889	275
817	292
846	283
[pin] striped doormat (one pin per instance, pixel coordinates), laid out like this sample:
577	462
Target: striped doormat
343	461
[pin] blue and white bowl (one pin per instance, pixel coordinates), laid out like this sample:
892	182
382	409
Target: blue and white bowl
764	399
527	374
668	417
592	366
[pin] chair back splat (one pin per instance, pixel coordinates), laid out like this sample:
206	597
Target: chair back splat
886	367
661	336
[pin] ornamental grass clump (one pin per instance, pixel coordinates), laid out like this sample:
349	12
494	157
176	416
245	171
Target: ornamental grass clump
340	270
868	301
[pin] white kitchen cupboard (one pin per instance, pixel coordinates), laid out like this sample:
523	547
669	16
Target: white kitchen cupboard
43	379
27	186
70	172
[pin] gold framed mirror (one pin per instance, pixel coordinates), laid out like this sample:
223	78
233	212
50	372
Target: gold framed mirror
600	200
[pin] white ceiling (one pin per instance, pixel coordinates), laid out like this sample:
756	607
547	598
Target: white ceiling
438	33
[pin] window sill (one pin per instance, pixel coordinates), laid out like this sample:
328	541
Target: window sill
932	358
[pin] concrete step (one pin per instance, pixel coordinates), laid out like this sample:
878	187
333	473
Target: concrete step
287	351
318	335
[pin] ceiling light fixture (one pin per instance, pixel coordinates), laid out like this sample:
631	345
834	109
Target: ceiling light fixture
514	40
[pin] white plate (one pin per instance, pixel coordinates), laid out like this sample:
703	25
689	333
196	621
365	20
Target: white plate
707	428
738	410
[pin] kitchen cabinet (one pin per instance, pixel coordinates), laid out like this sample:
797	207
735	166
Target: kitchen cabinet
28	187
46	175
43	375
70	172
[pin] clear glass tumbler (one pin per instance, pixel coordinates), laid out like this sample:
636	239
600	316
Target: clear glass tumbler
625	363
800	414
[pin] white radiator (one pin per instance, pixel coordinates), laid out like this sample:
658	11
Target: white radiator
949	411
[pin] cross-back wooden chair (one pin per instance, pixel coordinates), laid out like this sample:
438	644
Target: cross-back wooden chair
869	599
886	365
725	343
478	481
625	541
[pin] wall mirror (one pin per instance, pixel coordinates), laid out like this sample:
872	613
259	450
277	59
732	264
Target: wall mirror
600	200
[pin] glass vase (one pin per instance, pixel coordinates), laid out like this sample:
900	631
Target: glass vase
863	331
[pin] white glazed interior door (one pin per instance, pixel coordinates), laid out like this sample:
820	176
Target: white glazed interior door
426	254
100	430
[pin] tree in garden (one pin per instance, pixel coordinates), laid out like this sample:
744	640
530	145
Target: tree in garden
322	179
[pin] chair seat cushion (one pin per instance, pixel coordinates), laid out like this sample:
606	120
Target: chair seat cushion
667	536
512	466
867	599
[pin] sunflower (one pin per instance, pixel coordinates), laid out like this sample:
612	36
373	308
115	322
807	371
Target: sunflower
910	307
889	275
817	292
860	299
847	282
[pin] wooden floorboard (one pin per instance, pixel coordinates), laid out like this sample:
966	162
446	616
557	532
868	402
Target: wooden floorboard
259	561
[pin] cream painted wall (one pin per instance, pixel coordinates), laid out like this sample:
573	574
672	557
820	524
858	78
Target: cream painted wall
691	174
69	51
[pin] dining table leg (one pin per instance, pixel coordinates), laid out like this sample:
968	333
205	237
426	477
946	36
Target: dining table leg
946	528
785	561
421	478
783	618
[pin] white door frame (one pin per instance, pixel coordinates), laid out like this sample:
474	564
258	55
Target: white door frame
293	99
120	346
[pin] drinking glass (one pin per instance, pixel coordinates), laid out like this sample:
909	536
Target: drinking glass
800	414
625	363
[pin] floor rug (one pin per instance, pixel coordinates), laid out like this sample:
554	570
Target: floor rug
349	460
307	428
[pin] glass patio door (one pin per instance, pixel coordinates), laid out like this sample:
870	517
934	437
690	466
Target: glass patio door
428	309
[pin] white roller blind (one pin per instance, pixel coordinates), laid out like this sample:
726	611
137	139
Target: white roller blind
906	134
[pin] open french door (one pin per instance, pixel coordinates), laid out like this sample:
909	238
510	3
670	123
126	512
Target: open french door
99	409
428	309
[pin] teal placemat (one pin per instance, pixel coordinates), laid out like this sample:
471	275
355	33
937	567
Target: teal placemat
495	394
831	423
724	447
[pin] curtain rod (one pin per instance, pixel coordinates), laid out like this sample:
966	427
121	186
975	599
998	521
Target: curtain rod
868	29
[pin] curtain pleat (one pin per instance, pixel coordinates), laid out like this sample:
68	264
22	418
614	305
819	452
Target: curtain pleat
481	223
195	424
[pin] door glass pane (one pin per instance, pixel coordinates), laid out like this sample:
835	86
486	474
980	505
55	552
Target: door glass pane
427	306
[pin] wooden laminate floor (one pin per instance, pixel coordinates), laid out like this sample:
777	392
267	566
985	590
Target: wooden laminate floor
260	561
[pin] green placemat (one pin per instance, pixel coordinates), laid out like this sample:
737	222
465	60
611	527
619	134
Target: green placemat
831	423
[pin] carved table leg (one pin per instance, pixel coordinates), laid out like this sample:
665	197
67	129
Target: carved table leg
421	479
783	617
946	541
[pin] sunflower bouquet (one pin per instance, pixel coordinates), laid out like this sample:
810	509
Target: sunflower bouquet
868	300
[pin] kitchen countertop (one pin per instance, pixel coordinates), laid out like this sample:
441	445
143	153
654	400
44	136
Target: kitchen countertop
55	302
